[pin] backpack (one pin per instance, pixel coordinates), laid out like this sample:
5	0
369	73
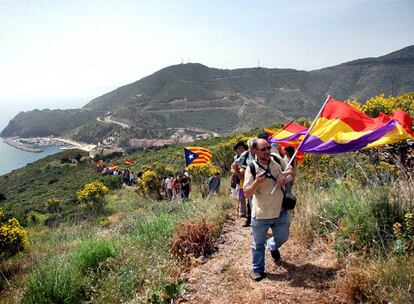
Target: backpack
289	199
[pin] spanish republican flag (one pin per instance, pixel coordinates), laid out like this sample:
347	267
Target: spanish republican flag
342	128
128	162
196	156
99	163
291	134
112	166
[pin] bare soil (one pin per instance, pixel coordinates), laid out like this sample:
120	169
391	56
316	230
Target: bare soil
307	273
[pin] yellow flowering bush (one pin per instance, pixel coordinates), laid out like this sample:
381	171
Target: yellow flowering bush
150	184
91	196
13	237
354	103
223	153
380	103
405	102
54	205
200	174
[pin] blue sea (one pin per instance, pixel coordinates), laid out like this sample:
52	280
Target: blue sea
12	158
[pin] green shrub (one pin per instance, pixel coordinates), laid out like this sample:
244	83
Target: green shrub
404	235
153	231
55	281
65	160
111	181
90	254
362	219
54	205
167	294
35	218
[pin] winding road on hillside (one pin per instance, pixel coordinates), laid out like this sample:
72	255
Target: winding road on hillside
107	119
306	274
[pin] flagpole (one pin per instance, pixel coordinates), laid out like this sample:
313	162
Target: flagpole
307	133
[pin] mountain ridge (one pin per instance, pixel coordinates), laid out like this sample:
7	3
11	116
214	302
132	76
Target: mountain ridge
193	95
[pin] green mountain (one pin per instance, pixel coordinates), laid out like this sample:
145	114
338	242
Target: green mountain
197	97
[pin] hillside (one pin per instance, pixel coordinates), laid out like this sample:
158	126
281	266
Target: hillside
195	96
342	247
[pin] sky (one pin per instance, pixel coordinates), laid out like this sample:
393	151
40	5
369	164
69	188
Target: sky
62	54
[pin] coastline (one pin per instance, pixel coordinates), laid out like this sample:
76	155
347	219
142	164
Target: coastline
12	142
23	143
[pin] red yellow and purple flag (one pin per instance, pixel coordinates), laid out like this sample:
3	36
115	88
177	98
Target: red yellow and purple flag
291	134
342	128
197	156
128	162
112	166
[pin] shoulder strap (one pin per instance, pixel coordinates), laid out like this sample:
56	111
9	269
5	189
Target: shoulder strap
276	159
252	169
246	156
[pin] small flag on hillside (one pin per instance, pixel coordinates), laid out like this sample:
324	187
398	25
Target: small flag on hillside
196	156
112	167
99	163
342	128
128	162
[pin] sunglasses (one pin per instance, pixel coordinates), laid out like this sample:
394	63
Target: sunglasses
265	148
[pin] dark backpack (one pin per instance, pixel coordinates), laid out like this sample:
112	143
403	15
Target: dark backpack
289	199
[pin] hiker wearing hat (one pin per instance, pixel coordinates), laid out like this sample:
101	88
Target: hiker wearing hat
238	167
238	148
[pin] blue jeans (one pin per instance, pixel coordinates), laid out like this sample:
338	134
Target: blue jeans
280	228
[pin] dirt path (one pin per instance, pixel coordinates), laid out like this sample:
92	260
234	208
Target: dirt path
305	275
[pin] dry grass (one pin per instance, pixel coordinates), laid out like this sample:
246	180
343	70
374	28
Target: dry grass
385	280
192	239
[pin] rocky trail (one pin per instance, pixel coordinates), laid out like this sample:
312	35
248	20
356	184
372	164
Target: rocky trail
306	274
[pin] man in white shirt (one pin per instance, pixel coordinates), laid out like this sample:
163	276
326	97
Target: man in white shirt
266	188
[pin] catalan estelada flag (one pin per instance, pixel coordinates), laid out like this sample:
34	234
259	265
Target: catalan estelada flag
128	162
342	128
196	156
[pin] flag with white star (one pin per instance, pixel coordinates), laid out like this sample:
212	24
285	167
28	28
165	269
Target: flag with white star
196	156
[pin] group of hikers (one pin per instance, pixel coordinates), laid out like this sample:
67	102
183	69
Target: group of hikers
178	186
128	177
172	187
262	178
